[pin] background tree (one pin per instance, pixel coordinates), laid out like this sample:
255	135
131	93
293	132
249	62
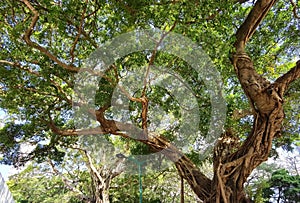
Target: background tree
41	186
282	187
258	181
40	183
76	179
44	44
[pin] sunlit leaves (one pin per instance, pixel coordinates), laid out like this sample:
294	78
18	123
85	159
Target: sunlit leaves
283	187
36	91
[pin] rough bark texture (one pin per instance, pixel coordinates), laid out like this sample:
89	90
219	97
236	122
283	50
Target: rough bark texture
234	163
233	168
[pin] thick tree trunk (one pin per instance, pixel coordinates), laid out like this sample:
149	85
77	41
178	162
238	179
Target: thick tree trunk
233	163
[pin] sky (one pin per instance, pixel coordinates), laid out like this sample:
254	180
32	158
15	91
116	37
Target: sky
6	170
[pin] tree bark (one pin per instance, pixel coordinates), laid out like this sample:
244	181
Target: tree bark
234	163
199	183
232	169
101	178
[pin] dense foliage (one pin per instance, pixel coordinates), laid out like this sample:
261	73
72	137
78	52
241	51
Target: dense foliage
44	45
282	187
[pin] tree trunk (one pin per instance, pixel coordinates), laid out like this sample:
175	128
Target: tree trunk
101	178
101	189
233	163
231	171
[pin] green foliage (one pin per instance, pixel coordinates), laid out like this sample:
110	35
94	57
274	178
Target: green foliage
269	183
36	92
41	187
165	190
36	87
68	181
259	181
283	187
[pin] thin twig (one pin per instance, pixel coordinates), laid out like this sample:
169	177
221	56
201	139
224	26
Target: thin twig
295	9
153	55
79	32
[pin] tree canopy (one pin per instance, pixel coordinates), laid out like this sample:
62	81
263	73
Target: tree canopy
70	68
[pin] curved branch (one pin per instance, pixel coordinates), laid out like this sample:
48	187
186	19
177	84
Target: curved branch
79	32
263	98
28	34
295	9
282	83
74	132
246	30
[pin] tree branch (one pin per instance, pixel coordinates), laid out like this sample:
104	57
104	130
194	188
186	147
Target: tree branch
28	34
75	132
261	94
246	30
295	9
282	83
79	31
